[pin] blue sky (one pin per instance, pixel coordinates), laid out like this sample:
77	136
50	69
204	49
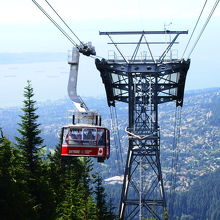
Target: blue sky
23	28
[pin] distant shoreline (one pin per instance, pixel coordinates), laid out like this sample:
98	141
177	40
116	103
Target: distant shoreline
31	57
88	98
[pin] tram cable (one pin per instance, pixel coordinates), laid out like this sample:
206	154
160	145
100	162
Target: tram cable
116	137
64	22
55	23
195	27
118	142
85	49
204	27
173	152
175	167
120	146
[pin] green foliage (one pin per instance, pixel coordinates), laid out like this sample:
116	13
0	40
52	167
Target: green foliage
13	189
74	187
74	206
30	147
72	183
100	199
105	210
38	186
202	201
29	143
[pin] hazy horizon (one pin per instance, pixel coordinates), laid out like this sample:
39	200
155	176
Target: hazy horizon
25	31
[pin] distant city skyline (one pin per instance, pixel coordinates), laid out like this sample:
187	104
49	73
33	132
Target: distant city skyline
23	28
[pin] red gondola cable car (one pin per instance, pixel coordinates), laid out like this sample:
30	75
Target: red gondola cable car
84	137
86	140
96	146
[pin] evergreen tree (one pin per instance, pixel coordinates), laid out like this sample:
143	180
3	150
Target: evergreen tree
6	157
35	171
32	187
70	180
87	181
56	175
74	206
15	202
105	211
29	143
201	201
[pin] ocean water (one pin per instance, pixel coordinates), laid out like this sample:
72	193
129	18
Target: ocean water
49	81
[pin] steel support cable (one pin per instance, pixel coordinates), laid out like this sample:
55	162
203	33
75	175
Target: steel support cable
177	143
204	26
112	124
194	27
173	151
175	157
120	147
55	23
171	195
176	164
64	22
116	141
116	138
60	28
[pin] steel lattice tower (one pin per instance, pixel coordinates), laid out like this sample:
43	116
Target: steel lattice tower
143	84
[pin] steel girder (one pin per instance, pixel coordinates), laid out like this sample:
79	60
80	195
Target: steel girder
143	86
170	80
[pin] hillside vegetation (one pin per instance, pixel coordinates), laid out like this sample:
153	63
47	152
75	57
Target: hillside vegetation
198	147
39	185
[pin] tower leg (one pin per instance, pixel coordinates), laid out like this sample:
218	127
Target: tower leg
143	191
